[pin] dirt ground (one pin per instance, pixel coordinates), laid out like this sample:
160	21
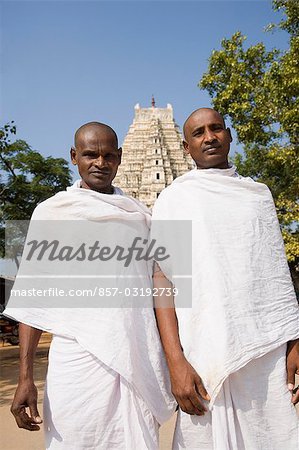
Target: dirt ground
13	438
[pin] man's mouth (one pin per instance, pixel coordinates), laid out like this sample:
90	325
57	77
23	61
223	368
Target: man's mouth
211	149
99	173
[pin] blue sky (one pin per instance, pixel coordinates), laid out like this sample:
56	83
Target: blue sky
66	63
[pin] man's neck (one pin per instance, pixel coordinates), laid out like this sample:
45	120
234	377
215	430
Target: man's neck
108	190
225	165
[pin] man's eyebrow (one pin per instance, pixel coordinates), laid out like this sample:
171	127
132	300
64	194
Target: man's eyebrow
88	150
110	150
214	124
196	130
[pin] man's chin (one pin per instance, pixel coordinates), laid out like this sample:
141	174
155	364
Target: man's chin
102	188
213	161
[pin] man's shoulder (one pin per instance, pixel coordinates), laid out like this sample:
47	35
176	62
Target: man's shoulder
138	204
245	178
254	182
43	207
165	202
170	191
167	194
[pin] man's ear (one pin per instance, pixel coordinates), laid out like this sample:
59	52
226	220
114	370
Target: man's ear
230	135
186	147
73	154
120	151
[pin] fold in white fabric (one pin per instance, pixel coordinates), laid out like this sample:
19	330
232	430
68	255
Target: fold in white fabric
124	339
253	411
243	301
89	406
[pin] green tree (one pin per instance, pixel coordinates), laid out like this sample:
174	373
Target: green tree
258	90
26	179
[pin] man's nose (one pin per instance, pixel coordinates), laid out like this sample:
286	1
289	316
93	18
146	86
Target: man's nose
100	161
209	136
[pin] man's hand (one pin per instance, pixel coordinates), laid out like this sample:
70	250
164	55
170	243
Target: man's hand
188	389
26	397
293	368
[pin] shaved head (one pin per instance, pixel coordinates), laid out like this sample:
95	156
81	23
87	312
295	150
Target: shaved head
93	128
97	156
196	113
206	139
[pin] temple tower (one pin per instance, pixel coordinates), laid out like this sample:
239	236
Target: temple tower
153	154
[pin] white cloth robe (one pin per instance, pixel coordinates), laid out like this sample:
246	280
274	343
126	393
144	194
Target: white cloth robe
124	340
243	301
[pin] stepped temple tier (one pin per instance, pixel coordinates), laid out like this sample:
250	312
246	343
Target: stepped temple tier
153	154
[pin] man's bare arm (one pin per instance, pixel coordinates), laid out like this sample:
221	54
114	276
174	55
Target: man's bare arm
186	384
26	393
293	368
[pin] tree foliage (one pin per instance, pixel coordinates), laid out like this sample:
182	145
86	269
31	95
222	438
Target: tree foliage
26	178
258	89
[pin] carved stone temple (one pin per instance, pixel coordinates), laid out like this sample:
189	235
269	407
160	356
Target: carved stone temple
153	154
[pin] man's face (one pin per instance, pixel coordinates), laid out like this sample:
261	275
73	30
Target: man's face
207	140
97	157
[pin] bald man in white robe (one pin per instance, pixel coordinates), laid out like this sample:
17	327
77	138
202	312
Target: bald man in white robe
233	355
107	387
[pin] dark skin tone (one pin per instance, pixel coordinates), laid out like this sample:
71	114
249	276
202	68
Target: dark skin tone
186	385
26	393
293	368
97	156
207	140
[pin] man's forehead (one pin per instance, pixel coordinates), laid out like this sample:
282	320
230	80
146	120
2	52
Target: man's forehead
95	136
204	117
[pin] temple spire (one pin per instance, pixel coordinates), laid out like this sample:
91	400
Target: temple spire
153	101
153	153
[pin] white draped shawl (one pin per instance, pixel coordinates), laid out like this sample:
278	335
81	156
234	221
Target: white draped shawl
243	301
125	339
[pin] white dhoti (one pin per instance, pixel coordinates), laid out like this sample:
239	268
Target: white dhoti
252	411
89	406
